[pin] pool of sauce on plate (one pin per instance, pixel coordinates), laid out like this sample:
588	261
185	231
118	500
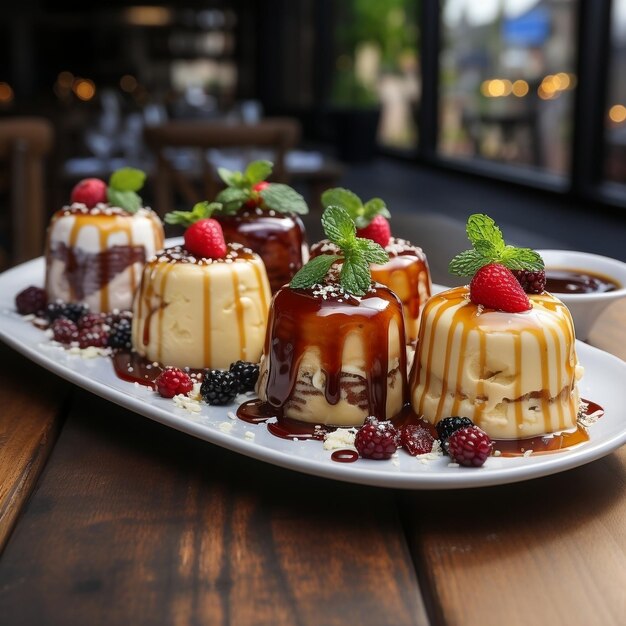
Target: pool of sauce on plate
578	281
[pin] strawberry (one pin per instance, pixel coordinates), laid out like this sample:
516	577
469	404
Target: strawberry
495	287
257	188
377	230
89	192
205	239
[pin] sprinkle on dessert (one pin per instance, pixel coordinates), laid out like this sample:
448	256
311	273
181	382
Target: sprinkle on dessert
370	217
355	255
488	246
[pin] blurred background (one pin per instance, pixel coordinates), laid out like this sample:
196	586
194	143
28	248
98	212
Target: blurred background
443	108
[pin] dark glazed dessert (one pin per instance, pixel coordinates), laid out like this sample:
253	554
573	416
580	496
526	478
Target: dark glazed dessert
335	347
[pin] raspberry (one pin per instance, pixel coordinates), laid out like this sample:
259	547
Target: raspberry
416	439
449	425
376	440
218	387
65	331
377	230
31	300
531	282
495	287
205	239
119	335
246	374
96	337
89	192
469	446
173	381
89	320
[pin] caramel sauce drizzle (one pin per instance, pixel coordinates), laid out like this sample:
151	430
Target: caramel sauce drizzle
300	320
463	318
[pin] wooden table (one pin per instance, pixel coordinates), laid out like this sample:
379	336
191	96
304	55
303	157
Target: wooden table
109	518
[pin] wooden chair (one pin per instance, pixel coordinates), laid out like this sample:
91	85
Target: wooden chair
24	144
278	135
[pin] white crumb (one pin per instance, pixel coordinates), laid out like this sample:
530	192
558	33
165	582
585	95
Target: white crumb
339	439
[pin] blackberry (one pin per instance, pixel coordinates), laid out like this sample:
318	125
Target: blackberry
218	387
449	425
531	282
95	337
31	300
246	374
64	330
74	310
114	316
54	310
119	335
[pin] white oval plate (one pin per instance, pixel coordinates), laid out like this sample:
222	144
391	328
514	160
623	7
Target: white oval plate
603	383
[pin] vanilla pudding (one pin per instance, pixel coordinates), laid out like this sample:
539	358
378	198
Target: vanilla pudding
334	358
199	312
514	374
96	255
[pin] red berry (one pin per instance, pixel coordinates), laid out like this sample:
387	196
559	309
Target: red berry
416	439
89	320
531	282
255	200
205	239
95	337
495	287
64	331
376	440
173	381
258	187
31	300
469	446
377	230
89	191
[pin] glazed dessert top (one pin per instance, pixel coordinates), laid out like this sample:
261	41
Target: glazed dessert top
236	252
102	208
395	248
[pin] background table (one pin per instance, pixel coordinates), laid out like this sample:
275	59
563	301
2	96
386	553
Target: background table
109	518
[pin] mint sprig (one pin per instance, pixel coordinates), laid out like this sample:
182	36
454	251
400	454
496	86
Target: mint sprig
357	254
240	190
200	211
361	213
123	186
489	247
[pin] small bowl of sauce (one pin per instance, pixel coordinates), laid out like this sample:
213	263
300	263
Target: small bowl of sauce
586	283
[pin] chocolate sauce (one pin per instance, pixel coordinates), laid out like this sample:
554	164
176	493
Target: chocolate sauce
578	281
302	319
278	238
344	456
134	368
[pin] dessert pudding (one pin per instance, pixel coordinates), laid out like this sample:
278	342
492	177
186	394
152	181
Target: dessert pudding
500	352
334	358
513	374
95	250
263	216
406	272
202	305
335	347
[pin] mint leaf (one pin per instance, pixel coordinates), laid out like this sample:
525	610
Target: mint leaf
486	248
200	211
372	252
338	227
346	199
127	200
467	263
258	171
374	207
521	259
127	179
232	198
482	227
232	179
313	272
283	199
355	274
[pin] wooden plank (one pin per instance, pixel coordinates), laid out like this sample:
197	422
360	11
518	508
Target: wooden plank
133	523
31	401
548	551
